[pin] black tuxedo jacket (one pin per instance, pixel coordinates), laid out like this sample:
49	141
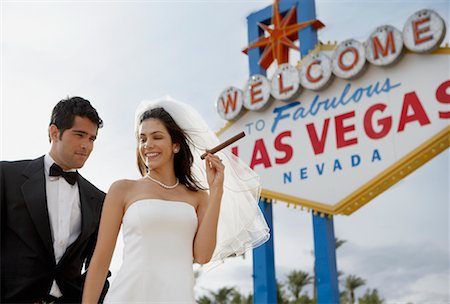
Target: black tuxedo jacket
28	265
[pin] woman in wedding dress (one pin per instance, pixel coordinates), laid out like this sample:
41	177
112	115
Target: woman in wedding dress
178	213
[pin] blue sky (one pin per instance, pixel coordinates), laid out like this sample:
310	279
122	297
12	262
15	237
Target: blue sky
117	53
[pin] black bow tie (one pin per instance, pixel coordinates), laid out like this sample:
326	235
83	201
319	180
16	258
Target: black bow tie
70	177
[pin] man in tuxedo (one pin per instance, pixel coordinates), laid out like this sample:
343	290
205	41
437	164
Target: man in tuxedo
50	213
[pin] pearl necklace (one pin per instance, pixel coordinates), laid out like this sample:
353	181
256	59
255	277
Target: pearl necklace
162	184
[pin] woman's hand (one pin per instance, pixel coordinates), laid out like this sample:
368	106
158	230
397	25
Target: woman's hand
214	171
208	210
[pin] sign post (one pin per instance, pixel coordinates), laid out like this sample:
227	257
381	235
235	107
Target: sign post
326	279
264	282
326	276
263	257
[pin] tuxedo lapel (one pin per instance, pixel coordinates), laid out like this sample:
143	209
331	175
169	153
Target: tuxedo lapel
87	211
87	217
35	198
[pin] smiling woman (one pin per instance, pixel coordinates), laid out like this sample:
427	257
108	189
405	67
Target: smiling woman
158	229
161	140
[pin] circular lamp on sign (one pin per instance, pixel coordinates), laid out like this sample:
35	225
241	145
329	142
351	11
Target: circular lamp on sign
384	46
315	72
285	82
230	103
424	31
349	59
257	93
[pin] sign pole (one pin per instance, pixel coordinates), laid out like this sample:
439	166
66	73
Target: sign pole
326	278
264	284
325	260
263	257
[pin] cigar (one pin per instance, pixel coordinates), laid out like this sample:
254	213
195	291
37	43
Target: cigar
224	144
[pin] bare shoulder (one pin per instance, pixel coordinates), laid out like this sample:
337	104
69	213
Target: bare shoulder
121	185
120	189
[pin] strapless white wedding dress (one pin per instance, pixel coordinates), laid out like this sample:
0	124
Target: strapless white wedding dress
157	260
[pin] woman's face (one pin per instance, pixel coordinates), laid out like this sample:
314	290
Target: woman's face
155	144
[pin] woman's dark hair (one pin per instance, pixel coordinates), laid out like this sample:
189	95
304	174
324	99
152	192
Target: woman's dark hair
63	114
183	159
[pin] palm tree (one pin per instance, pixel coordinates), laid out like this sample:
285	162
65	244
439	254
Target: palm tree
296	281
343	297
339	242
204	300
371	297
281	296
304	299
223	295
239	298
351	283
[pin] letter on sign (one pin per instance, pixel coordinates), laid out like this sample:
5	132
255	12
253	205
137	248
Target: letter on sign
384	46
257	93
424	31
285	82
349	59
230	103
315	72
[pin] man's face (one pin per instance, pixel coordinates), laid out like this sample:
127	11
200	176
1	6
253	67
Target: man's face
72	149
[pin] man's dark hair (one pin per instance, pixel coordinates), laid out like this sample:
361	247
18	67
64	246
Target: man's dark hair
63	114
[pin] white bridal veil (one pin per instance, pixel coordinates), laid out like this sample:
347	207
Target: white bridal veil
241	225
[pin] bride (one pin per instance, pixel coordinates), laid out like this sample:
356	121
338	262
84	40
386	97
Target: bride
182	210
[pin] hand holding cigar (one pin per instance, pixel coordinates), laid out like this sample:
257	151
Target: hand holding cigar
223	145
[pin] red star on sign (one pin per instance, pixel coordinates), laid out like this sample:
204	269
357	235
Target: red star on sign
281	36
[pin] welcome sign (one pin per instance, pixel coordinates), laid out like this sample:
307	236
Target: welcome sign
332	145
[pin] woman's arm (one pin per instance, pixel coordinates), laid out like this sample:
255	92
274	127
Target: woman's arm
110	221
208	211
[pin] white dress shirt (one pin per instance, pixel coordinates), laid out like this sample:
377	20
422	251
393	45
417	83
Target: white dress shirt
64	211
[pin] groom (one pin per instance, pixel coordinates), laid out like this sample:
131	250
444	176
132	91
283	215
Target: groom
50	213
